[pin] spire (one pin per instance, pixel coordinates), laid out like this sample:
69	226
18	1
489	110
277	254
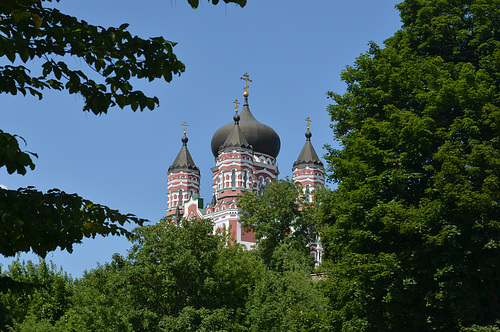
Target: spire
184	159
308	155
236	138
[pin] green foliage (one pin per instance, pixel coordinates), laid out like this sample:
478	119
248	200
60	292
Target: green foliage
202	320
102	301
32	220
276	217
413	231
172	265
237	271
195	3
287	300
476	328
176	277
33	324
43	298
11	155
29	30
169	267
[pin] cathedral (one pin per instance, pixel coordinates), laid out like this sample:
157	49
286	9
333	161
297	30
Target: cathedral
245	152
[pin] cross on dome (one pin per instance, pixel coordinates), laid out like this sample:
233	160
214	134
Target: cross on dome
185	125
237	103
247	79
308	119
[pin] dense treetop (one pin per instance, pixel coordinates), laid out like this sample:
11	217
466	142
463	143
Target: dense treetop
414	228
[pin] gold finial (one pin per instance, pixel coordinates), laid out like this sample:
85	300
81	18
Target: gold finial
247	79
237	103
185	125
308	119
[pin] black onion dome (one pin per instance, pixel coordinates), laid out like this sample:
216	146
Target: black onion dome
308	155
262	138
184	161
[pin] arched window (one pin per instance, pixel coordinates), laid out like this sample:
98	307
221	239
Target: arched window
180	197
307	193
245	176
260	186
233	178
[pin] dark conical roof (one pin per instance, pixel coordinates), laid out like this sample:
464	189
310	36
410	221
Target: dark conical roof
262	138
236	138
308	155
184	161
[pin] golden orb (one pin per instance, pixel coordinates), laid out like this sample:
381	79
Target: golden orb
245	94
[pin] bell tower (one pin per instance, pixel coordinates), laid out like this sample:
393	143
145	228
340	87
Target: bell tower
183	180
308	170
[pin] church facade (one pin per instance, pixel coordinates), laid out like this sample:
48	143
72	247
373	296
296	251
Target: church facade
245	152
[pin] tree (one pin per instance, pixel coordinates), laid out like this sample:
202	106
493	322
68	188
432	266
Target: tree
176	277
279	215
288	299
102	300
31	30
413	229
173	264
44	295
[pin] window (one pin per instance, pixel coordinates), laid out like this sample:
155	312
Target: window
233	178
260	186
180	197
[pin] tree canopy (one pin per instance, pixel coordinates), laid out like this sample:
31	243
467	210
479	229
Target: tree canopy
413	236
280	215
176	277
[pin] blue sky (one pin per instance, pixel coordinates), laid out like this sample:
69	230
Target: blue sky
294	52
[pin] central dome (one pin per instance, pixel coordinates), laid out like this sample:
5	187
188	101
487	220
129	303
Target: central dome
262	138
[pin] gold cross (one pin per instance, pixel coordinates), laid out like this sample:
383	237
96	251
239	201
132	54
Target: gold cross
237	103
185	125
308	119
246	78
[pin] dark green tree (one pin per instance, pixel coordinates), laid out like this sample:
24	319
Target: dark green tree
172	265
42	296
102	300
35	30
413	228
288	299
279	215
176	277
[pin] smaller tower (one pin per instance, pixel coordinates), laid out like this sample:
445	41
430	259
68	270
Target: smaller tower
183	180
308	170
